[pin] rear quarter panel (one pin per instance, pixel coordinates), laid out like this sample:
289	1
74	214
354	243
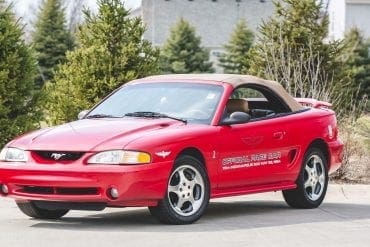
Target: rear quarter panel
310	126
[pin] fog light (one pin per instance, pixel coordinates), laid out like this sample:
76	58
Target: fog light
4	189
113	192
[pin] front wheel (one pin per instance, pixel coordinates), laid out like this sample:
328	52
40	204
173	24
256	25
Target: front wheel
187	193
30	209
312	181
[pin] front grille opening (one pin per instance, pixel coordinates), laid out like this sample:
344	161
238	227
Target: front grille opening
58	155
38	190
77	191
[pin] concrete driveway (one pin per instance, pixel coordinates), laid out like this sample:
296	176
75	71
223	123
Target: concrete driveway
254	220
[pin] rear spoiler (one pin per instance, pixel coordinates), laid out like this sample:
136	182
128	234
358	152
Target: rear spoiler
313	103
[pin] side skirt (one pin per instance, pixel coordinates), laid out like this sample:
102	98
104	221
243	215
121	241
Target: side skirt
216	193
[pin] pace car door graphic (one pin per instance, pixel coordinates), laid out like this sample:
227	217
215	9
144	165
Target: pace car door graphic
255	153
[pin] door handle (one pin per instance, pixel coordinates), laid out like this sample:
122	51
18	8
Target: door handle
279	135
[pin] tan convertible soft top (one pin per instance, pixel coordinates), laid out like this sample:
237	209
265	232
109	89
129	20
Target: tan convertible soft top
235	81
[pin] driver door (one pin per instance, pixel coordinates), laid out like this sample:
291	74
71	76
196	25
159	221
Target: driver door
254	153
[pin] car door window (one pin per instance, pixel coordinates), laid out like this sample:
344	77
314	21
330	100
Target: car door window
262	102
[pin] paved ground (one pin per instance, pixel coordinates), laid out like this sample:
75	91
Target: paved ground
255	220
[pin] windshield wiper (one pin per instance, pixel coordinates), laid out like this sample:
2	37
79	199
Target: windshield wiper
150	114
101	116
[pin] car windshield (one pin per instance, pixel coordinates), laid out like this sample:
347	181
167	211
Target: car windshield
188	102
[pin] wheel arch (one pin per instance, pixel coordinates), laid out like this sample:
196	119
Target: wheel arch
195	153
166	212
323	146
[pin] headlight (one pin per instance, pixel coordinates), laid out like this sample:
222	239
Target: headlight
115	157
13	155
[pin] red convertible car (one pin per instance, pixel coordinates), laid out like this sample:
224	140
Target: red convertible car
172	143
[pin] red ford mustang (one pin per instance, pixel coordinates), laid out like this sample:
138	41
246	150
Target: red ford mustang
173	142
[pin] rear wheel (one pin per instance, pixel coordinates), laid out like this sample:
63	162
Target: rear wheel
187	193
312	182
30	209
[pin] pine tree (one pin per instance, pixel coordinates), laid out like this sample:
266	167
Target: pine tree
182	52
51	39
297	27
17	73
236	58
111	52
357	54
292	49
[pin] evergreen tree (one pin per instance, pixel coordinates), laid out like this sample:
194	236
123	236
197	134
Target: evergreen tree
236	58
182	52
111	52
357	54
51	39
17	73
292	49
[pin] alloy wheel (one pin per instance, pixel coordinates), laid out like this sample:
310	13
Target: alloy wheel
314	177
186	190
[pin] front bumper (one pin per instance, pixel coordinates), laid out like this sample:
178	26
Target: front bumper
137	185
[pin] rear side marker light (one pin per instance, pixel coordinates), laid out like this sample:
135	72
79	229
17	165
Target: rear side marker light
330	132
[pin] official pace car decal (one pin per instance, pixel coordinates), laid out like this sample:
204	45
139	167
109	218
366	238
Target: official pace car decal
254	160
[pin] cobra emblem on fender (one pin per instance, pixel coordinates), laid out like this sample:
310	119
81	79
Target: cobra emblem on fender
163	154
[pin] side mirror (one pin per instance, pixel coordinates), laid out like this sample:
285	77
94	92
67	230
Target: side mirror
82	114
236	118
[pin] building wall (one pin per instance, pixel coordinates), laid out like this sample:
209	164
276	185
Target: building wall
337	17
358	14
214	20
345	14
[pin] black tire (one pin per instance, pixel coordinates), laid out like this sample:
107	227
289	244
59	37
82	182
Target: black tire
311	188
192	190
30	209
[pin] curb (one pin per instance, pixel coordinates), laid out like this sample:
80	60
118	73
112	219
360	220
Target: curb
350	191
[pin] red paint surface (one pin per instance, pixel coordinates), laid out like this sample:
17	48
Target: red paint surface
141	185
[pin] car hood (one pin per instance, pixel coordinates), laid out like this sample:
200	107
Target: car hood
91	134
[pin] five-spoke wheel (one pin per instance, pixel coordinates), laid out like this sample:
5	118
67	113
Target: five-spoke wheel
312	181
314	177
186	190
187	194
